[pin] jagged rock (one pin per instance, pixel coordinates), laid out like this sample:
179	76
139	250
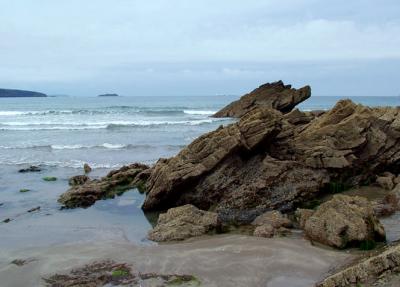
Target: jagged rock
271	223
368	270
87	168
344	221
297	117
78	180
115	183
183	222
275	95
269	160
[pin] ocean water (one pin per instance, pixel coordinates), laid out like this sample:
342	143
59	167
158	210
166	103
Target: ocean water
60	134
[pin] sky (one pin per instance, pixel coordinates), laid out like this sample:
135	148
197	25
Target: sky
207	47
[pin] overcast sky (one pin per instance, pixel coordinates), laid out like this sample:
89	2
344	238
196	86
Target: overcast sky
181	47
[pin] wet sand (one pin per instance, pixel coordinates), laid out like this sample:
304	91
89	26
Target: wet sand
221	260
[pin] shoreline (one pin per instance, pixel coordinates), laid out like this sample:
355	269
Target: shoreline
218	260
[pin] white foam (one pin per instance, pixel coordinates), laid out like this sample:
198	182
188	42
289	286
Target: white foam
196	112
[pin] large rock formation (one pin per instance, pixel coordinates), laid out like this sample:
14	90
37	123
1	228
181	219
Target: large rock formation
270	160
275	95
85	192
344	221
183	222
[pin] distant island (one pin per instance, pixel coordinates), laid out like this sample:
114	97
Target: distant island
7	93
109	95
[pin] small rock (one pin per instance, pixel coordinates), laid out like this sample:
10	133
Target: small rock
87	168
266	230
78	180
303	215
271	223
385	182
183	222
274	218
389	204
32	168
34	209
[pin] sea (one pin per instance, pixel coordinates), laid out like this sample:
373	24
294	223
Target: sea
60	134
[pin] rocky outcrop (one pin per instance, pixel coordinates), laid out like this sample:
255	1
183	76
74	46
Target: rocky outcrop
183	222
270	160
379	266
271	223
344	221
85	192
275	96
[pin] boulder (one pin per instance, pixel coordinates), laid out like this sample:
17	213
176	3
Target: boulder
344	221
271	223
183	222
274	95
115	183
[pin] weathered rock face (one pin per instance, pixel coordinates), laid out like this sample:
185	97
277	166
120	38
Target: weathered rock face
344	221
85	192
183	222
172	176
369	270
275	95
270	160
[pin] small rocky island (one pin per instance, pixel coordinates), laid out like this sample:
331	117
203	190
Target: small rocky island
275	170
108	95
10	93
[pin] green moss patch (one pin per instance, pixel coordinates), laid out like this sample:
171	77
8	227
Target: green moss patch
120	273
49	178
